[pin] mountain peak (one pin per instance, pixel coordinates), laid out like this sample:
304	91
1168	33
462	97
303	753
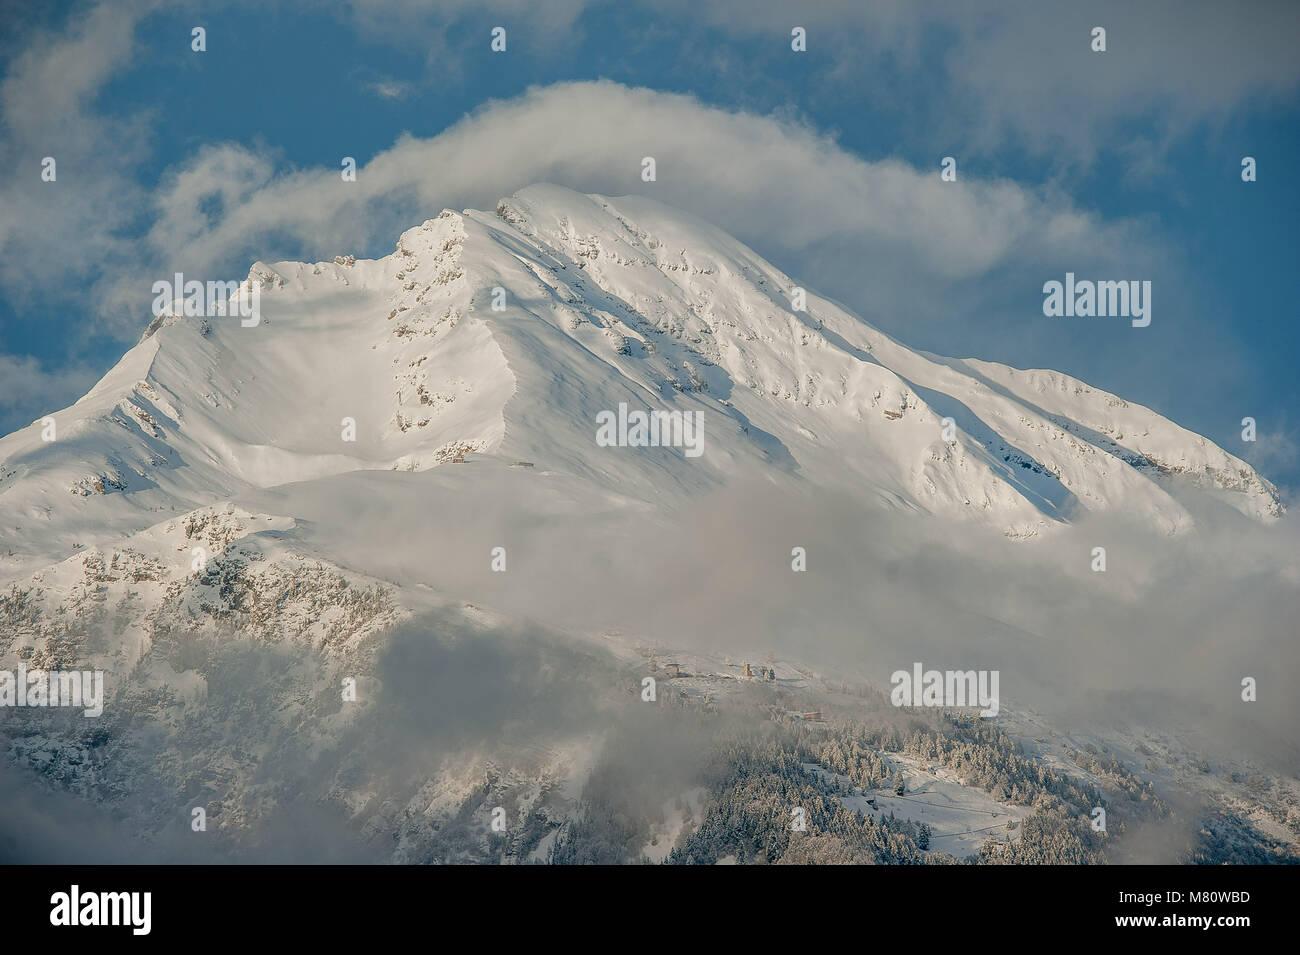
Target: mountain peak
508	334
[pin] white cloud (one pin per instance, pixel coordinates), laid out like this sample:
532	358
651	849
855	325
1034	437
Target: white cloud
1022	72
788	190
389	89
1168	65
28	390
55	233
47	88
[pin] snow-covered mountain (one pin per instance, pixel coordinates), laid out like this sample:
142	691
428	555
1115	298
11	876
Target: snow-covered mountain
606	301
207	480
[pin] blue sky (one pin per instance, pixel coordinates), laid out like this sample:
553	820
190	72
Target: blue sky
1117	165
